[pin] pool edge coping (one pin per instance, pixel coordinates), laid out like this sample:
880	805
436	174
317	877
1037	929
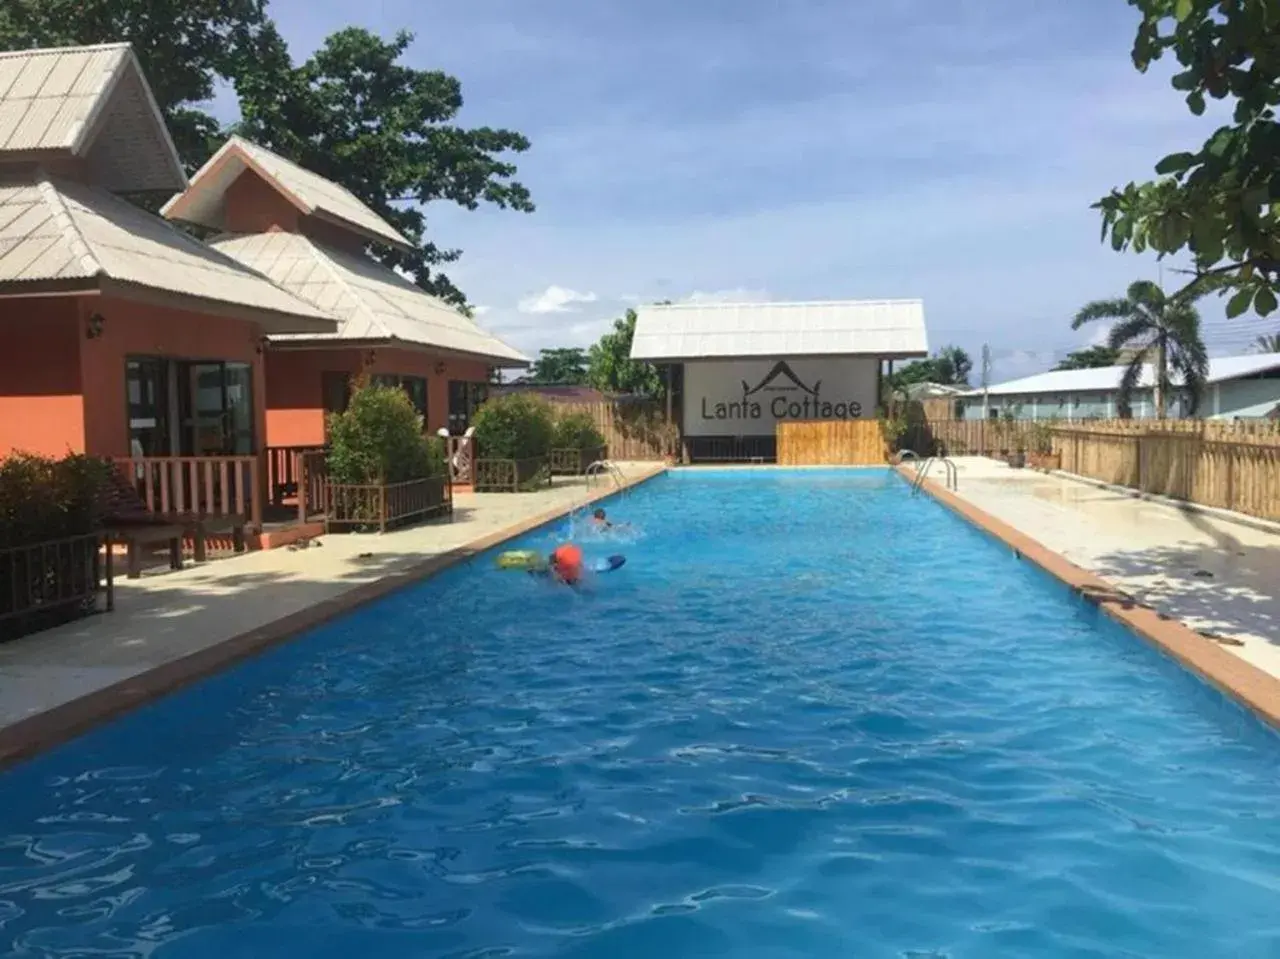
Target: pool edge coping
1237	678
32	735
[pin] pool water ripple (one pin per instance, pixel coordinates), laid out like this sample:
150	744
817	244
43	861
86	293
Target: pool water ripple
812	716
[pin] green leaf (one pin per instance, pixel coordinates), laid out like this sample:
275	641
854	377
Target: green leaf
1175	163
1195	100
1264	303
1183	9
1239	303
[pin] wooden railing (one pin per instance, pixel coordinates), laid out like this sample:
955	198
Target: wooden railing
201	485
284	471
511	476
731	449
460	452
312	468
44	584
386	506
574	461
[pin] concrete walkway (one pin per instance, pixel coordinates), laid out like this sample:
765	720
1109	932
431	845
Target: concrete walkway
164	617
1217	576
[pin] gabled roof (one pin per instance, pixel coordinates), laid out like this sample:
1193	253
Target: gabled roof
70	236
370	301
1103	378
92	103
889	329
204	201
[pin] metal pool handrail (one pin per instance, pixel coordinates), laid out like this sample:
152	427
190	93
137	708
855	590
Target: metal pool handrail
602	467
922	473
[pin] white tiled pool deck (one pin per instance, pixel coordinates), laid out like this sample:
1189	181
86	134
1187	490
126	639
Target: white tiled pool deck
164	617
1213	574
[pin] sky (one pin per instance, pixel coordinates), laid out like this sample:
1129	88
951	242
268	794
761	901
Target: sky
798	150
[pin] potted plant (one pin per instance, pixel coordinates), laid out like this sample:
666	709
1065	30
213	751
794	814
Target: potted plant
50	536
513	438
1042	456
892	428
1012	450
576	443
381	470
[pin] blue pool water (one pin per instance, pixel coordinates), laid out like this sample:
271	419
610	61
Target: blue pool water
811	717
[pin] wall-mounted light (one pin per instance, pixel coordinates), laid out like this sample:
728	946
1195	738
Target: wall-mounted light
93	326
440	368
370	358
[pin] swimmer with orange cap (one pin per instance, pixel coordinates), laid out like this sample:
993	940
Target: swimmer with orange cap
565	563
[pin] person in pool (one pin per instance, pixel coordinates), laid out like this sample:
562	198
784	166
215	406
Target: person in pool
565	564
600	520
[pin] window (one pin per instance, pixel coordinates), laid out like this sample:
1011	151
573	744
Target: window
147	389
215	405
189	408
414	386
336	390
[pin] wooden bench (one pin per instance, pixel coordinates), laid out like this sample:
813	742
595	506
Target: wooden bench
127	520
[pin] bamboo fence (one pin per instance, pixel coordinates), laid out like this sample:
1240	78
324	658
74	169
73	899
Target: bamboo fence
1234	466
632	429
830	442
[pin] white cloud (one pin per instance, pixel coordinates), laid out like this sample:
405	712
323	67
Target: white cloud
480	310
554	299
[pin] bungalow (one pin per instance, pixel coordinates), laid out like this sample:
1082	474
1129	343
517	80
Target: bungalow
310	236
120	335
1238	387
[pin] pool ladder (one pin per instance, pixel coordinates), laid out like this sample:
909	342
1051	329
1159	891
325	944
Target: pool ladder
922	473
602	468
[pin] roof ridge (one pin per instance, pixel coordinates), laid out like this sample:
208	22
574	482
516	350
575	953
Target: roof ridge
76	47
776	303
79	244
294	163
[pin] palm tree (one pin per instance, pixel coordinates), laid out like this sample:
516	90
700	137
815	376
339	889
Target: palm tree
1160	330
1267	343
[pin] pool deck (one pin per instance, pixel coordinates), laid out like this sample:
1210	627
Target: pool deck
171	628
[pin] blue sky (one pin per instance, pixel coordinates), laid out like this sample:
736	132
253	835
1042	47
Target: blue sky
797	149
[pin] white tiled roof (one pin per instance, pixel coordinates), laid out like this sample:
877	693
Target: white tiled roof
1104	378
89	102
203	201
884	328
370	301
54	229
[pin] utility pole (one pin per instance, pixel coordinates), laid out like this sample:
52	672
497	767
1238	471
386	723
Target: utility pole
986	396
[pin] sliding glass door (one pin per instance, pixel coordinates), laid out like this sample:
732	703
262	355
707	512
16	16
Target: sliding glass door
189	408
464	399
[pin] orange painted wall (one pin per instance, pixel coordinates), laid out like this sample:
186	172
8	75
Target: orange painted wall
41	402
141	329
254	207
295	398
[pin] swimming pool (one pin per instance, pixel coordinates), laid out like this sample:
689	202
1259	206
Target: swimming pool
811	717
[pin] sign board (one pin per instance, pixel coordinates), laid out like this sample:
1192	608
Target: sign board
750	397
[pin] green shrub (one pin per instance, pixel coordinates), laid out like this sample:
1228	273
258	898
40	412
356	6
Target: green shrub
513	427
379	440
576	431
43	499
